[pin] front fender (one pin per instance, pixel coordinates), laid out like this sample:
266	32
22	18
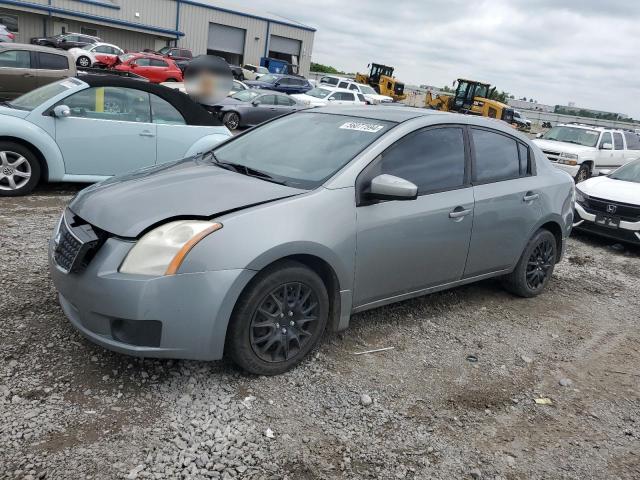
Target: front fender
206	143
27	132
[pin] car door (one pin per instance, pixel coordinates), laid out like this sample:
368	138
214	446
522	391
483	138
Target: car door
407	246
605	154
618	150
109	131
51	67
335	98
265	109
286	104
142	66
17	75
283	85
508	201
633	146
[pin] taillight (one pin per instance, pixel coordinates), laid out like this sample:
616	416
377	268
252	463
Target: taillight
11	36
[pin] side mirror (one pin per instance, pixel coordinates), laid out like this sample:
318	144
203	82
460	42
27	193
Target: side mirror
331	99
255	103
61	111
605	172
606	146
389	187
539	135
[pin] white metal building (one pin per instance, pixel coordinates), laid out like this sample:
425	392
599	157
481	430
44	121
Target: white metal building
204	26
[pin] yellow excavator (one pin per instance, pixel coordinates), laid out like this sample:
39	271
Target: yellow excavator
381	78
472	98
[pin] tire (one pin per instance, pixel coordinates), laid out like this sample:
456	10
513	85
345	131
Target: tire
84	62
171	80
231	120
19	170
535	267
265	339
584	172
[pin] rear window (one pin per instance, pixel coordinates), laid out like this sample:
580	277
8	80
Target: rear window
496	157
633	141
51	61
15	59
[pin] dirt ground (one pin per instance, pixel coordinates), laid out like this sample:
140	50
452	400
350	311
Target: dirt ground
454	398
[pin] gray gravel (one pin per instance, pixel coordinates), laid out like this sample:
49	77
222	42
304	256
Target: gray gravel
70	409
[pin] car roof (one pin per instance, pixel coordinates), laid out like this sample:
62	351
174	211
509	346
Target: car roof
585	126
32	48
193	113
375	112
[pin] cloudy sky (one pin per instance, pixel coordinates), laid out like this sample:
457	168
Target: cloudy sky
556	51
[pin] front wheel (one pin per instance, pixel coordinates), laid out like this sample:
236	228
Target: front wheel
84	62
278	320
231	120
19	170
535	267
584	172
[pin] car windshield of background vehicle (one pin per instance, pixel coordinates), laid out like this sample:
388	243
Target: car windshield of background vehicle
629	173
318	92
579	136
245	95
367	90
164	50
269	78
329	142
36	97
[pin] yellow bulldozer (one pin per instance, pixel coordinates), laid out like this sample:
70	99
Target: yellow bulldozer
472	98
381	78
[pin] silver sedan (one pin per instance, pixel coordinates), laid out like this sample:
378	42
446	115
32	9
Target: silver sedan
259	246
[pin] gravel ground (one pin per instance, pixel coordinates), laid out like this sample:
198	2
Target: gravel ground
455	398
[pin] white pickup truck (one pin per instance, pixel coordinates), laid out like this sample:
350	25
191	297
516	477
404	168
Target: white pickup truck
583	150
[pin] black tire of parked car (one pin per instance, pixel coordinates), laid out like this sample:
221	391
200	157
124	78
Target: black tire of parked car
9	149
584	172
270	333
84	62
535	267
231	120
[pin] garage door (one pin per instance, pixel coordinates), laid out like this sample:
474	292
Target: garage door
285	45
223	38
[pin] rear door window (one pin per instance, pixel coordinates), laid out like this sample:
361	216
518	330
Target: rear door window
51	61
268	100
15	59
433	159
633	141
496	156
618	144
285	101
159	63
164	113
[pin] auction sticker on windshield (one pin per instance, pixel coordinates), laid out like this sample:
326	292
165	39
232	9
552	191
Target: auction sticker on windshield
362	127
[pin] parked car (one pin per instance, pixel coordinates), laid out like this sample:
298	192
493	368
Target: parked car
25	67
86	130
6	35
582	150
609	205
181	56
154	67
330	80
66	41
372	97
522	122
236	86
96	54
252	107
236	71
323	95
256	248
281	83
253	72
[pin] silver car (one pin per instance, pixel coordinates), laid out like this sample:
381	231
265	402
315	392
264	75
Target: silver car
257	247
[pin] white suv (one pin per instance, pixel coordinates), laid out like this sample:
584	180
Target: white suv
585	150
325	95
369	93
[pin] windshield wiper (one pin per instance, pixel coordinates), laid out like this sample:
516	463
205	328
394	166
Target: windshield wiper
6	104
244	170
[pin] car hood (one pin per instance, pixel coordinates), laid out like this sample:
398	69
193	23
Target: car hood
128	205
14	112
562	147
609	189
377	96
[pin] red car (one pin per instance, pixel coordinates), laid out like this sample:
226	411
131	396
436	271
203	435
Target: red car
154	67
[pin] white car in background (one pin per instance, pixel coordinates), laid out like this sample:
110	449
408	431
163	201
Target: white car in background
89	55
324	95
609	205
373	97
235	88
253	72
583	150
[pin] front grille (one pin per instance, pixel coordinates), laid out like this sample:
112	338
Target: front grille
627	212
75	243
552	156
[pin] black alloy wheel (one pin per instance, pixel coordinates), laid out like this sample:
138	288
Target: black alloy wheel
540	262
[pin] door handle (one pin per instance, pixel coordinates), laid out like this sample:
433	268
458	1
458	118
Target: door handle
459	212
146	133
530	196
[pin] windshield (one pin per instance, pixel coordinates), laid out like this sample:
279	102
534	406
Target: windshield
245	95
318	92
628	173
36	97
304	149
366	89
164	50
269	78
579	136
263	70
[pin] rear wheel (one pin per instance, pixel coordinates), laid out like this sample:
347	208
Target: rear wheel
19	170
535	267
278	320
84	62
583	173
231	120
171	80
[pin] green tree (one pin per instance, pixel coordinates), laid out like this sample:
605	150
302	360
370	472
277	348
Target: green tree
320	68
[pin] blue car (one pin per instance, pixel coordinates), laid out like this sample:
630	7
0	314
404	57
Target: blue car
281	83
91	128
